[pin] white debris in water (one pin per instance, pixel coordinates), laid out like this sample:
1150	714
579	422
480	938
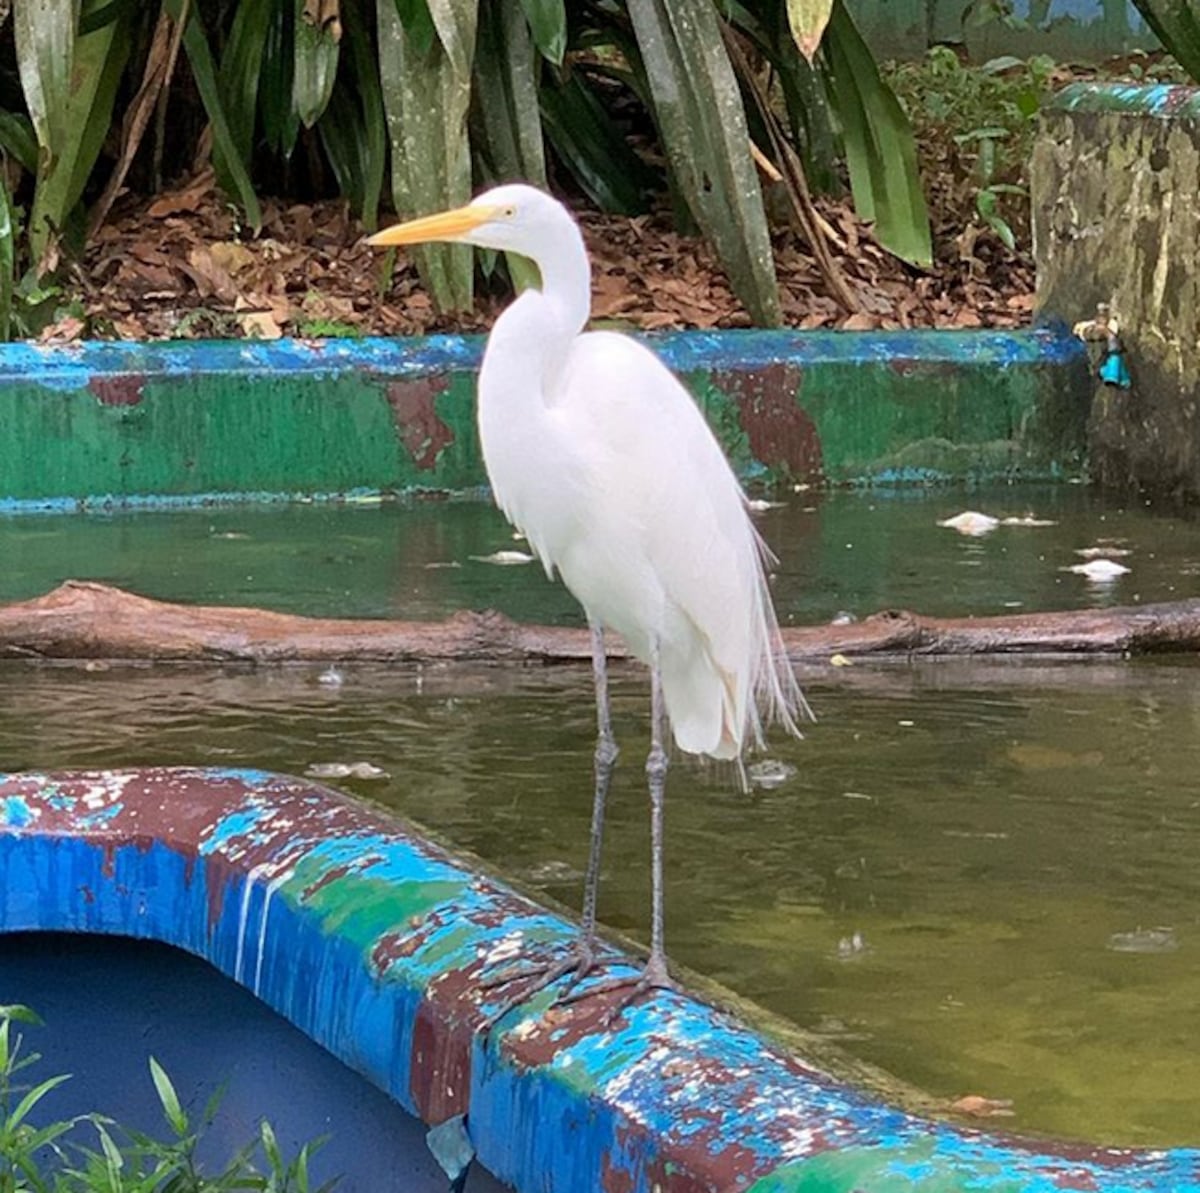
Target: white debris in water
345	770
1099	571
504	558
756	505
331	677
1029	520
1144	940
770	773
451	564
850	948
1103	552
971	522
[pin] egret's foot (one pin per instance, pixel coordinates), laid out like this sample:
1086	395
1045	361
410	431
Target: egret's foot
653	977
578	964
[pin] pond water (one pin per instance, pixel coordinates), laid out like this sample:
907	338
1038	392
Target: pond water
980	876
858	551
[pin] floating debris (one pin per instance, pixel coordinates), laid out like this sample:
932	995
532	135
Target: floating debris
1099	571
756	505
1029	520
841	617
851	948
345	770
331	677
1103	552
770	773
1144	940
971	522
977	1106
453	563
504	558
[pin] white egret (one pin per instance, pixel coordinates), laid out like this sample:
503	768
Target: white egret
602	460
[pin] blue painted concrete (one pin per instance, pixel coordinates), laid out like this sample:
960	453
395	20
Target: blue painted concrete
377	945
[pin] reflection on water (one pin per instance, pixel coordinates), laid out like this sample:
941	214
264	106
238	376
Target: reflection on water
960	879
848	551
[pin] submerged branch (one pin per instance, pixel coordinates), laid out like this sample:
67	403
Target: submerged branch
85	620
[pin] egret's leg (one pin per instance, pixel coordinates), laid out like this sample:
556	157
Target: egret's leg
654	975
581	961
656	774
605	761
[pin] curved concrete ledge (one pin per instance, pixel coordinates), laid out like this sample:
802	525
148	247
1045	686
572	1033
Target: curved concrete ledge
375	942
96	425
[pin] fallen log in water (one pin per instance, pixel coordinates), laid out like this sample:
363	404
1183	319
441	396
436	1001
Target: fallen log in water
84	620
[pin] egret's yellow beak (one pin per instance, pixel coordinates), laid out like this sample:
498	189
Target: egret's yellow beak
448	225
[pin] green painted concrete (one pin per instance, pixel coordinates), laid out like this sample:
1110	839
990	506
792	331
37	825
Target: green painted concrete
187	423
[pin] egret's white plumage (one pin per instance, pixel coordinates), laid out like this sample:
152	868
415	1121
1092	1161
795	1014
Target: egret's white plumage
601	458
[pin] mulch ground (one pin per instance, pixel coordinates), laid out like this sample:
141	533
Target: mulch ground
182	266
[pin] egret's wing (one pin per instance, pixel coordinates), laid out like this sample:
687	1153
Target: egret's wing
669	515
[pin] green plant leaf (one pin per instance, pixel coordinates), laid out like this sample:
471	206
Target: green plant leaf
426	98
880	150
506	94
169	1099
238	78
455	22
98	60
45	39
807	20
315	61
204	71
548	24
1176	23
702	124
591	147
418	24
17	1115
277	109
17	138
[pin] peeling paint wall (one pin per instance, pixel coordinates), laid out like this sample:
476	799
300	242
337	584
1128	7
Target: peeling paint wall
379	945
170	424
1116	175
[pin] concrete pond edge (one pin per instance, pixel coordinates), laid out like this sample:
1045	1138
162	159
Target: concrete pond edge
103	425
377	943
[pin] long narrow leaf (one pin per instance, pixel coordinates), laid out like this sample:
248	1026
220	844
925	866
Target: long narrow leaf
281	124
45	39
17	138
204	71
1176	23
318	38
426	97
548	24
808	19
880	150
238	77
8	266
370	96
98	60
506	94
589	145
698	107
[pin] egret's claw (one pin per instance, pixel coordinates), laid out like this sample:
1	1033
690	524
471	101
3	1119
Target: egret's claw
653	977
579	963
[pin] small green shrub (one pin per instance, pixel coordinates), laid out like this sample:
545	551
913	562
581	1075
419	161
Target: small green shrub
52	1158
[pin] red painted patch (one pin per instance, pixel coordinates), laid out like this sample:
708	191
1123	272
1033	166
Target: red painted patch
124	389
421	431
781	434
440	1069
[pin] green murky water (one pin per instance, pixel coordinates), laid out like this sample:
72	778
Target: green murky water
858	552
1013	844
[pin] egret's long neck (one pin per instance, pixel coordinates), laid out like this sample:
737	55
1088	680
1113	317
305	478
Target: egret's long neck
532	338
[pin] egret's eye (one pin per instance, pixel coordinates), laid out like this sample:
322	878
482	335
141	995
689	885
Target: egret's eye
508	213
